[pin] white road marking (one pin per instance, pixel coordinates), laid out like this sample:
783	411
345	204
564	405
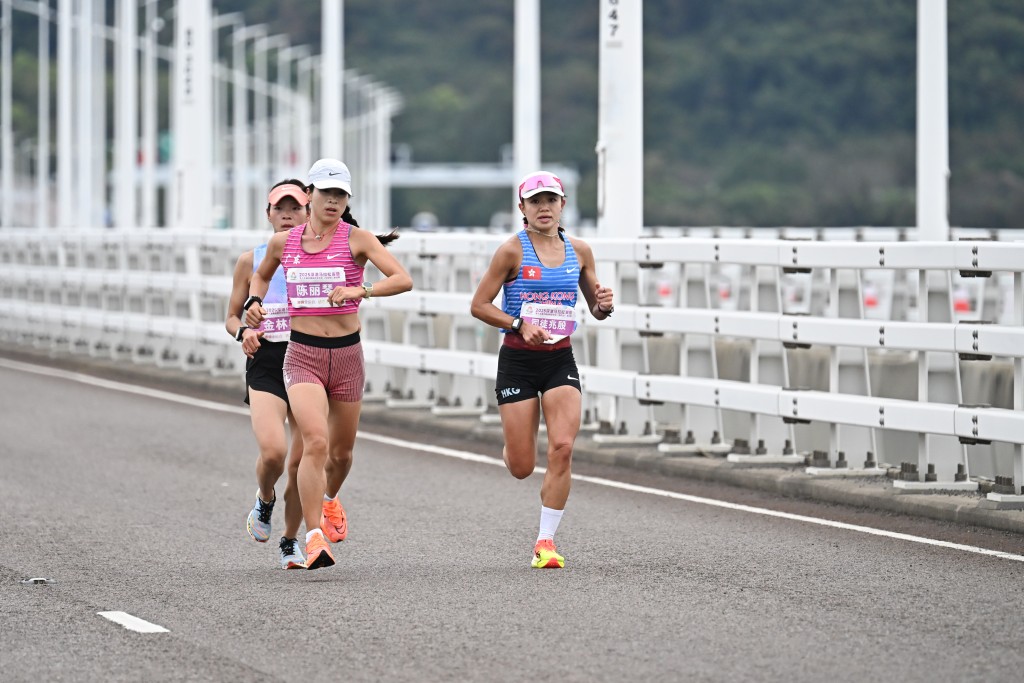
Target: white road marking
120	386
474	457
483	459
132	623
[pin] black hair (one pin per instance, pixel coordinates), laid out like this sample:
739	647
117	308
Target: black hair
290	181
351	220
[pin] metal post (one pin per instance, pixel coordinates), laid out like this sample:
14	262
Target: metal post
262	94
932	122
43	122
6	118
193	120
221	122
101	212
332	95
304	123
285	109
84	116
241	212
65	109
526	132
150	152
620	146
127	109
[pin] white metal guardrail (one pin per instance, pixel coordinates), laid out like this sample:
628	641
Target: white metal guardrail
908	353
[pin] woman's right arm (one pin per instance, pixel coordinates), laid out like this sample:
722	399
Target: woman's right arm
504	266
239	293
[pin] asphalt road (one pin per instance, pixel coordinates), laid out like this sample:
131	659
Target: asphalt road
130	502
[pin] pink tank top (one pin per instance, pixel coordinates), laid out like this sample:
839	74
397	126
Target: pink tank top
311	277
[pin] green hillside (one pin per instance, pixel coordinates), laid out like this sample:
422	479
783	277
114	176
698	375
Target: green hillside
757	112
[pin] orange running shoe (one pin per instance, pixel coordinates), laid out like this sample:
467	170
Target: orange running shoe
545	556
318	553
333	521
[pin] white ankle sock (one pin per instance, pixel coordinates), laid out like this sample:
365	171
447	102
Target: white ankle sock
309	534
549	519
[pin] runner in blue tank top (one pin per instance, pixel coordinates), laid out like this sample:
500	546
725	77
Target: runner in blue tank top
264	383
540	270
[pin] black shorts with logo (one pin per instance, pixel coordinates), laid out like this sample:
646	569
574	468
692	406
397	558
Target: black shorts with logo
524	374
263	372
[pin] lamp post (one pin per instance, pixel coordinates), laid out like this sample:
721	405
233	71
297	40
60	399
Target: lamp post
6	118
127	110
526	94
242	206
65	108
43	122
332	95
222	79
261	101
192	184
304	105
84	115
285	111
153	25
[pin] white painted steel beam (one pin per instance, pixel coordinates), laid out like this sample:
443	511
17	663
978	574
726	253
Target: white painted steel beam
672	389
676	250
620	383
990	424
994	340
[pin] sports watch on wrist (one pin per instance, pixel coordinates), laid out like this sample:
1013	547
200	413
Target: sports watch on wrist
253	299
517	324
367	290
238	333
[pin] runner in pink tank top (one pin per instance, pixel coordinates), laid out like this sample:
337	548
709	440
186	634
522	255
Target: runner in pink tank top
323	263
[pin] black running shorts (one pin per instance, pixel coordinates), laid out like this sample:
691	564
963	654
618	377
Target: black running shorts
263	372
524	374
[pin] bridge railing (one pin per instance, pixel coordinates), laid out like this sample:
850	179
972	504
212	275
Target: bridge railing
842	355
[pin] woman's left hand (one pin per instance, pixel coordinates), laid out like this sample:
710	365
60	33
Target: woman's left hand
604	296
339	295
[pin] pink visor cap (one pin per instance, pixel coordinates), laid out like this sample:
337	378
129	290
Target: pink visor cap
287	190
330	173
540	181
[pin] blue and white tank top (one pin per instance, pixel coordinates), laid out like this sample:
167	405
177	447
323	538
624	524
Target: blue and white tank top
277	325
544	296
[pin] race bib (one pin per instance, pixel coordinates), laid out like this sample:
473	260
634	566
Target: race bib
309	287
559	321
277	326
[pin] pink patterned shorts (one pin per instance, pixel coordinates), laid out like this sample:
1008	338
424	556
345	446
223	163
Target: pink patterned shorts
336	364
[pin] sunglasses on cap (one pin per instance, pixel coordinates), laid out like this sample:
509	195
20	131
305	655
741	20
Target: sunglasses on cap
540	182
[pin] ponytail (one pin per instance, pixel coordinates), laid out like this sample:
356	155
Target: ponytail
348	217
388	238
383	239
